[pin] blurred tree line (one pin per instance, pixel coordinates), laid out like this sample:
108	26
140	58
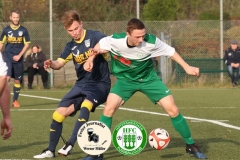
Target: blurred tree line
190	10
119	10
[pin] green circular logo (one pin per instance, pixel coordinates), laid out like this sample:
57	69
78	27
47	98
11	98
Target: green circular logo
129	137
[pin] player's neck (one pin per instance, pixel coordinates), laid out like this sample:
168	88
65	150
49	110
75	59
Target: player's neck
129	44
14	26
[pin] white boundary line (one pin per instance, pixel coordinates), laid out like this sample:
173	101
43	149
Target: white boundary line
153	113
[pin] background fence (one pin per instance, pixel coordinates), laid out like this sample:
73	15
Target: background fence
191	39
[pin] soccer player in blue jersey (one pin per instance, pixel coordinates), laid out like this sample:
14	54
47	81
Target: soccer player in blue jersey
6	123
131	63
91	88
17	42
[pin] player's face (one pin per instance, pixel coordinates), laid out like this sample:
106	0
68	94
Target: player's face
75	30
15	19
136	37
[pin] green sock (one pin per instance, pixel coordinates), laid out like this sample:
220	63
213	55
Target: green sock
181	126
106	120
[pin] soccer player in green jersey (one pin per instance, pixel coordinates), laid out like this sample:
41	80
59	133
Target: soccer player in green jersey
131	64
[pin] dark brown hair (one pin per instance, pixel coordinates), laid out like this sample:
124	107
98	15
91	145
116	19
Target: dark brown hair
35	45
70	16
15	11
134	24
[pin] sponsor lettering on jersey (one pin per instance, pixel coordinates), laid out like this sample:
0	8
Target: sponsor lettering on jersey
123	60
14	39
80	57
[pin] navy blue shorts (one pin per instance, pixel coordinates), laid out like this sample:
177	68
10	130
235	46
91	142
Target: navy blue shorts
15	70
96	93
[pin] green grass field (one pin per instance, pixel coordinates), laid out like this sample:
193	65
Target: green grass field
212	114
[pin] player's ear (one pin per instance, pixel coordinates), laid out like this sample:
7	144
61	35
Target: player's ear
128	35
81	24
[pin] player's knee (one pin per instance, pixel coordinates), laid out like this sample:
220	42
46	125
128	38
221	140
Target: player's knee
173	112
109	111
58	117
87	104
17	85
8	78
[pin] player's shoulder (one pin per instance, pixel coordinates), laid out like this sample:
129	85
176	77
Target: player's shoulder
22	27
119	35
71	43
7	28
150	38
92	32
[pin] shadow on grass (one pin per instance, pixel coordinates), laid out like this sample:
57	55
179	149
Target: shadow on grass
39	104
19	146
112	153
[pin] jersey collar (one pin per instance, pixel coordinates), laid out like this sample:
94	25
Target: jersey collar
15	27
82	38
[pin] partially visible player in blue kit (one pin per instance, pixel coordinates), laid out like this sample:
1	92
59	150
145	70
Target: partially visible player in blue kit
91	88
17	42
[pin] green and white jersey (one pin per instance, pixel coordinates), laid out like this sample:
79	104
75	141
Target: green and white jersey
134	63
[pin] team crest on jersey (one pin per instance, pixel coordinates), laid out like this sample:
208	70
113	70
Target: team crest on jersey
75	51
229	54
140	55
20	33
87	43
10	34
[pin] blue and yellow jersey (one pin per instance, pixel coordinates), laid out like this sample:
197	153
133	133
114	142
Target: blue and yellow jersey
15	39
78	51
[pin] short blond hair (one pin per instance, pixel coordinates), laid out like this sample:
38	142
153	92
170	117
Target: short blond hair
69	17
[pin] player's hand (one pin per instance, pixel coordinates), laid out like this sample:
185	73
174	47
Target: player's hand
88	65
94	51
6	125
47	64
194	71
16	58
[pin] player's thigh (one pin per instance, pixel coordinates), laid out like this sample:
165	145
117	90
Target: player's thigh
10	69
96	93
155	90
112	104
74	97
124	89
18	70
169	106
3	67
3	81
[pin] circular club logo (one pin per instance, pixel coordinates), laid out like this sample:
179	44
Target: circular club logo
129	137
94	137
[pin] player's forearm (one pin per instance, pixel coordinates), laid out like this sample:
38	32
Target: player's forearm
177	58
56	65
99	50
91	58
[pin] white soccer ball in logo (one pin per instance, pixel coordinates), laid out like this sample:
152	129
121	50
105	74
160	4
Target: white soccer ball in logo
159	138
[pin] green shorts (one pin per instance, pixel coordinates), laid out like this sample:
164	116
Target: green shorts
154	89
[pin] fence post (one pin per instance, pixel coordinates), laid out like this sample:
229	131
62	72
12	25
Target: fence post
162	59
